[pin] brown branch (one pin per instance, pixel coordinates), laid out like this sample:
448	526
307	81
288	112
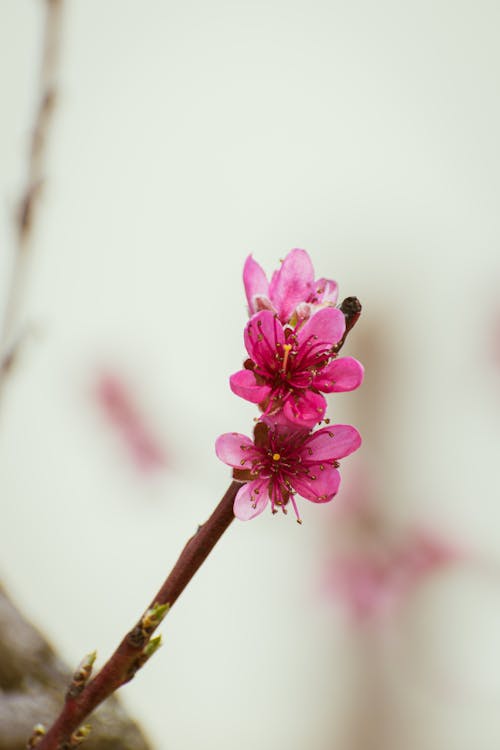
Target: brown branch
10	338
133	650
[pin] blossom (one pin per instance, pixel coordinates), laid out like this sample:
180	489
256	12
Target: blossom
375	579
374	568
292	290
280	462
116	400
288	367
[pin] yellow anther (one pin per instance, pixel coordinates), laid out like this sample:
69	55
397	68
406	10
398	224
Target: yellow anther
276	456
287	348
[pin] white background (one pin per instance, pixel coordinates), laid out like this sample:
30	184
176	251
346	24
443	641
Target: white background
186	136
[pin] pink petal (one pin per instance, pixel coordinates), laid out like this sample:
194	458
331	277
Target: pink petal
326	291
255	282
251	494
243	383
305	410
303	310
263	335
321	489
121	409
234	449
292	283
330	443
261	302
326	325
344	374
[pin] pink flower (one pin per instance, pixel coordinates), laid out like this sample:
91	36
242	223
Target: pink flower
292	289
288	367
280	462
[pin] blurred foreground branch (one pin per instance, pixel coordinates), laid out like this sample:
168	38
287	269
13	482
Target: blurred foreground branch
11	337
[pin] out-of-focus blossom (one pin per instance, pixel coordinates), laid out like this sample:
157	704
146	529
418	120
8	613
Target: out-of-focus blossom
288	367
374	568
373	582
280	462
292	291
117	403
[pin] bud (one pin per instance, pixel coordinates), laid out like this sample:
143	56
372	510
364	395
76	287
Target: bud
351	307
147	652
79	736
38	732
151	648
148	623
82	675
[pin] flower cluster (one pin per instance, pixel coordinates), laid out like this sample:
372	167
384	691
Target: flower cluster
292	339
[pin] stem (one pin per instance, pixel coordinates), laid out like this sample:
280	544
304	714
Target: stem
121	666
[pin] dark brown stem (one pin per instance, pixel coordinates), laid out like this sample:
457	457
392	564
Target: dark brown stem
122	665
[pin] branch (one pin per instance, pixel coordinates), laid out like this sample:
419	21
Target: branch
10	339
137	646
32	681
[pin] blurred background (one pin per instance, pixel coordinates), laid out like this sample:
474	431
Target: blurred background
185	136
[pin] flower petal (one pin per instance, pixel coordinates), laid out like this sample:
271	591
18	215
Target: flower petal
263	338
319	489
261	302
234	449
305	409
255	282
251	499
244	384
344	374
330	443
327	325
292	283
326	291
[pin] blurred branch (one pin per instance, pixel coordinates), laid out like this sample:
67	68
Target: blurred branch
32	678
11	337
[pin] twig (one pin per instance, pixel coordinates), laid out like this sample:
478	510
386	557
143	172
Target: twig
137	646
26	210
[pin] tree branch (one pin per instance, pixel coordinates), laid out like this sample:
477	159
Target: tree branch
10	337
137	645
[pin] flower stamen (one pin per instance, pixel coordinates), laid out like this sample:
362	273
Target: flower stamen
287	348
296	510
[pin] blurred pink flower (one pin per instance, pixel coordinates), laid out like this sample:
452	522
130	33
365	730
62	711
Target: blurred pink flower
289	366
375	569
280	462
373	584
292	289
117	403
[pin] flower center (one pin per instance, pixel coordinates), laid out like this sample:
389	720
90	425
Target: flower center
276	456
